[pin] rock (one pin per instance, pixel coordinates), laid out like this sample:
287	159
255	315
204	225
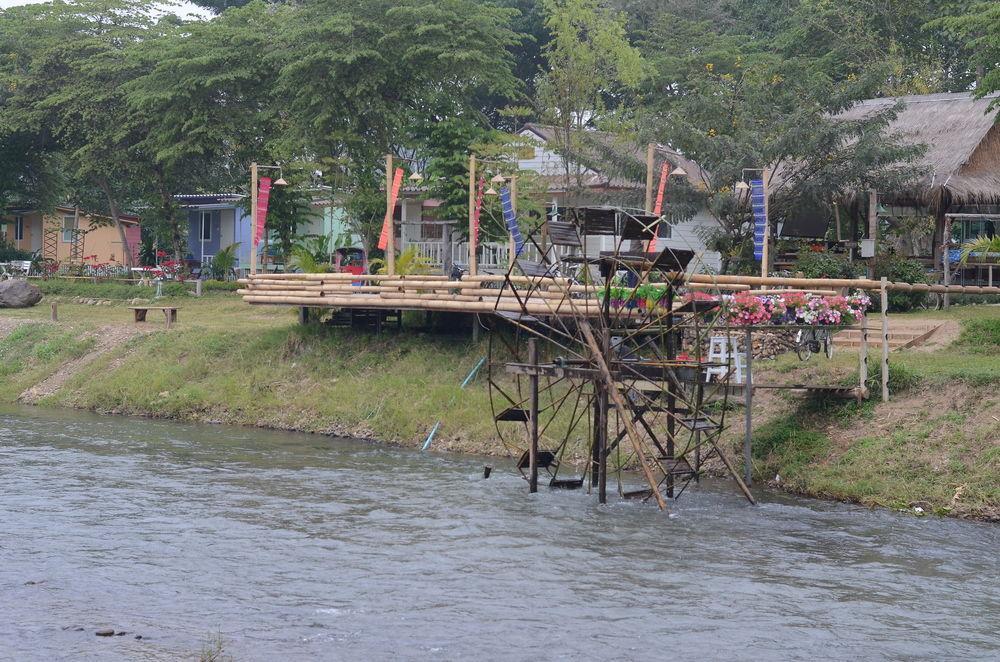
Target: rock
107	632
122	633
18	294
138	636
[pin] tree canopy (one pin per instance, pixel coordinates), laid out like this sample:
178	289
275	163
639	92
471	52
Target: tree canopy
113	103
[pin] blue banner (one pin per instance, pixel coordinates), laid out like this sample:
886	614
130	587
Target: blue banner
759	217
511	220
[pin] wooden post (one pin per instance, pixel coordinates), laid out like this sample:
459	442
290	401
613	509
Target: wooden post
253	219
472	214
671	393
872	229
748	405
197	288
533	453
944	257
511	247
863	355
650	152
885	340
55	312
836	218
619	401
390	248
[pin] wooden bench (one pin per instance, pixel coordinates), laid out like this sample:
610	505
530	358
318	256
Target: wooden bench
169	312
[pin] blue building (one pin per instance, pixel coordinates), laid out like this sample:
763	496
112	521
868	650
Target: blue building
217	221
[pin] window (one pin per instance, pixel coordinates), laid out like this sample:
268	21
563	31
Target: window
18	228
68	228
206	226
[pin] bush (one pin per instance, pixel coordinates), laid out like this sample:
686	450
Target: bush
901	378
825	265
220	286
981	335
8	253
898	268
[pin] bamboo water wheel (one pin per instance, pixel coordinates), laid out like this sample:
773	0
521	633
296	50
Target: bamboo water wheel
618	381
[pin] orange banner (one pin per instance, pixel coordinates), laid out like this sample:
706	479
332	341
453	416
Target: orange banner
397	181
658	208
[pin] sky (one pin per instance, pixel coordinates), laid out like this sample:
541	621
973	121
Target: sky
183	9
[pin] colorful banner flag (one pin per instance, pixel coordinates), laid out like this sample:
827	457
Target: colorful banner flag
759	203
508	216
397	181
480	192
263	197
658	208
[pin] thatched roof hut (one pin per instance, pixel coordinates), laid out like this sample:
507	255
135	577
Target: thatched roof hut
962	138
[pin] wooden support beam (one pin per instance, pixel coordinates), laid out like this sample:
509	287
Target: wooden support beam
885	341
619	402
533	418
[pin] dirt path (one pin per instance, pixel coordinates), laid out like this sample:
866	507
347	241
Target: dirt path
7	325
108	338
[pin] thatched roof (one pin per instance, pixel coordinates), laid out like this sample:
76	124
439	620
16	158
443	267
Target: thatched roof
600	147
962	137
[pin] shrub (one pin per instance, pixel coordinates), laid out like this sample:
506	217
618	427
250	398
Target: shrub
898	268
9	253
826	265
901	378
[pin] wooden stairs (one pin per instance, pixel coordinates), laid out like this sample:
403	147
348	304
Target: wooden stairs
903	334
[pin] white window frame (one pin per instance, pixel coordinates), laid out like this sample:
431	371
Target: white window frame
68	238
205	222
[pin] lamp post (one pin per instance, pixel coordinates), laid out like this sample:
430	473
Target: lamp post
254	168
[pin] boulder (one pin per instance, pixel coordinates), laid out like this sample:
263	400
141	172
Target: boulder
18	294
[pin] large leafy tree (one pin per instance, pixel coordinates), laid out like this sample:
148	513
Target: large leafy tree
65	74
978	29
589	62
206	100
730	104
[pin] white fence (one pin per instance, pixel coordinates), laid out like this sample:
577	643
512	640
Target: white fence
492	255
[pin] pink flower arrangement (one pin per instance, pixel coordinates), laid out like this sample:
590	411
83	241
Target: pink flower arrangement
747	310
797	308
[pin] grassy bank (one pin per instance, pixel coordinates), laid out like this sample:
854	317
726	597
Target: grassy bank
935	445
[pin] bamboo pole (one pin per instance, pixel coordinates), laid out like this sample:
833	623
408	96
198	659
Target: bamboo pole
253	218
885	341
533	452
650	152
824	283
390	250
472	214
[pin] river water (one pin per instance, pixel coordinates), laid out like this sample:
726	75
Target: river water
297	547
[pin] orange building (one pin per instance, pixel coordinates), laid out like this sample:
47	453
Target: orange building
68	234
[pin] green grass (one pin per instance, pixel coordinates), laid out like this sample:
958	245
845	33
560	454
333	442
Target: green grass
981	335
32	352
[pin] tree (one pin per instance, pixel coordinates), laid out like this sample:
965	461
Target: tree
731	104
979	28
589	61
206	102
66	74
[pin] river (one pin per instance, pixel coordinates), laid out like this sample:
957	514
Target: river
298	547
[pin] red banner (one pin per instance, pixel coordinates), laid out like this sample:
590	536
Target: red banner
476	212
397	181
263	197
658	207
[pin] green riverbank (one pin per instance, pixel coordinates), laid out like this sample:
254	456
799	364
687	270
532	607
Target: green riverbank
935	446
